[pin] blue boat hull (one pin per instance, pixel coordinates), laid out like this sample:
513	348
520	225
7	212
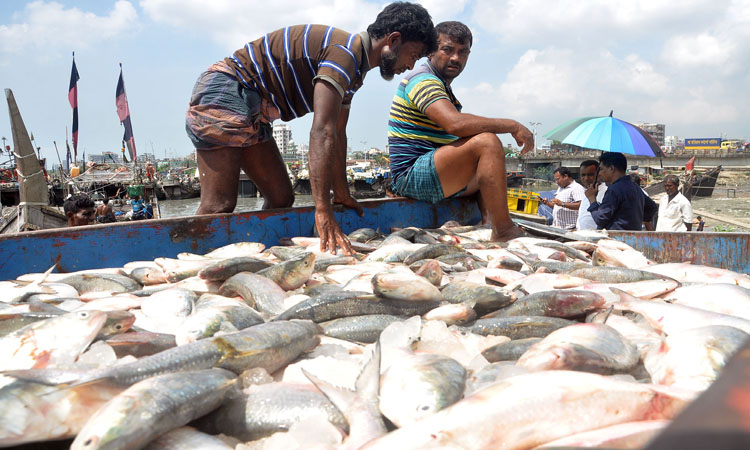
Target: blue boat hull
113	245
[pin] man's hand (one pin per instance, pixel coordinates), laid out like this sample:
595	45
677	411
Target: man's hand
591	192
347	201
524	138
330	234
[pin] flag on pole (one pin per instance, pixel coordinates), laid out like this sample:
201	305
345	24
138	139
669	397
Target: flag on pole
123	111
67	157
73	99
690	164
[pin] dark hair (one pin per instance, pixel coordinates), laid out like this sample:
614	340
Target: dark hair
673	178
75	203
409	19
456	31
590	162
614	159
106	200
563	171
698	217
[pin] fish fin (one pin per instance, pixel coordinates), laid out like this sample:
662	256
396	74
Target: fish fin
368	381
625	298
342	398
48	271
49	377
367	385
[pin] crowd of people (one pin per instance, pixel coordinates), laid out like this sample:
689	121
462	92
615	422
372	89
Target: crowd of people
608	198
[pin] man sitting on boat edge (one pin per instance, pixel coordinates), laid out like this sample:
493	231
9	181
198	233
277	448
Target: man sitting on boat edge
438	152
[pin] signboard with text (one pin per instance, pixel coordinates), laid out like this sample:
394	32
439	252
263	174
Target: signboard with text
703	144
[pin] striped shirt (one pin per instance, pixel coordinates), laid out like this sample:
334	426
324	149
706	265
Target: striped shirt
411	133
563	217
284	65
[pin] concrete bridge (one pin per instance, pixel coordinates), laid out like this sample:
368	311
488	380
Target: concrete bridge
729	160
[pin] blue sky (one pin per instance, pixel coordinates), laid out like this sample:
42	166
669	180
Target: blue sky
685	64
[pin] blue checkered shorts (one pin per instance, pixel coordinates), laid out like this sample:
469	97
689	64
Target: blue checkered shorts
421	182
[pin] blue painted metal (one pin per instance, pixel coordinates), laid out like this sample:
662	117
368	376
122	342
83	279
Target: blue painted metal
113	245
726	250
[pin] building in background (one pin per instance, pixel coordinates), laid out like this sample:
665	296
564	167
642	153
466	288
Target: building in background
673	144
656	130
282	134
106	158
143	157
302	153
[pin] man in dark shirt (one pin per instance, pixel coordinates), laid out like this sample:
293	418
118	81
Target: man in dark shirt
625	206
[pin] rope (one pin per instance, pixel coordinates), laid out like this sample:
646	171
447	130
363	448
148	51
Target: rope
24	156
33	204
29	176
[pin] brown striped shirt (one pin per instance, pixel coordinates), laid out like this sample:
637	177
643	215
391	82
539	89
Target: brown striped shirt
283	65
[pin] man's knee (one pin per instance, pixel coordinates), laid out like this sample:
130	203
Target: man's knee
280	196
487	142
282	200
217	206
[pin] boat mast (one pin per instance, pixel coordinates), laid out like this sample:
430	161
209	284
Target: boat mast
32	185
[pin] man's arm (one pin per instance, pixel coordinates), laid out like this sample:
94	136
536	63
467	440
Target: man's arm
687	216
447	117
650	208
322	156
341	193
603	213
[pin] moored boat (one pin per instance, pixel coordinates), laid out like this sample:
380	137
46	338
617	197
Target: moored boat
113	245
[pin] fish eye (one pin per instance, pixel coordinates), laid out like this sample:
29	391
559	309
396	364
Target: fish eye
83	314
118	327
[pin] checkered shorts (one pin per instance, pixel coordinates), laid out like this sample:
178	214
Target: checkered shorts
421	181
223	113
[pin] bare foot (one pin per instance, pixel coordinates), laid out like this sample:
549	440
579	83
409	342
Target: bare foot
506	234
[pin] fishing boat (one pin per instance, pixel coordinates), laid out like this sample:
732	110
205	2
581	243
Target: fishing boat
113	245
33	211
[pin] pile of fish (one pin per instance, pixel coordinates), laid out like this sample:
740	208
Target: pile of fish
422	339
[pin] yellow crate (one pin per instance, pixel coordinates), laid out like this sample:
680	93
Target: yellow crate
523	201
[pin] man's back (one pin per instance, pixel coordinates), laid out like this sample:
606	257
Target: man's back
410	132
624	207
282	65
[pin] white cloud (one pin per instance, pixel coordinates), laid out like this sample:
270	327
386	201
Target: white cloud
697	50
563	81
231	23
582	20
442	10
43	28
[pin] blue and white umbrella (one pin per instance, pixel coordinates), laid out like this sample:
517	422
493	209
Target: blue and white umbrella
607	134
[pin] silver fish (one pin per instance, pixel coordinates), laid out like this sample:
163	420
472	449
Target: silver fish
152	407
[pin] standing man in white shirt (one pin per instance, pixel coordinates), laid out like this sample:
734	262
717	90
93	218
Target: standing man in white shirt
675	211
588	172
567	200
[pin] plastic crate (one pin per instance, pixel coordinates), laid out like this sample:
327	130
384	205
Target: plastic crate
136	189
526	202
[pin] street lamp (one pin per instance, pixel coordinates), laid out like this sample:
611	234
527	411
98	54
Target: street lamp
533	129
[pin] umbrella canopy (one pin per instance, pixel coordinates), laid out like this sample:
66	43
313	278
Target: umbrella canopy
607	134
